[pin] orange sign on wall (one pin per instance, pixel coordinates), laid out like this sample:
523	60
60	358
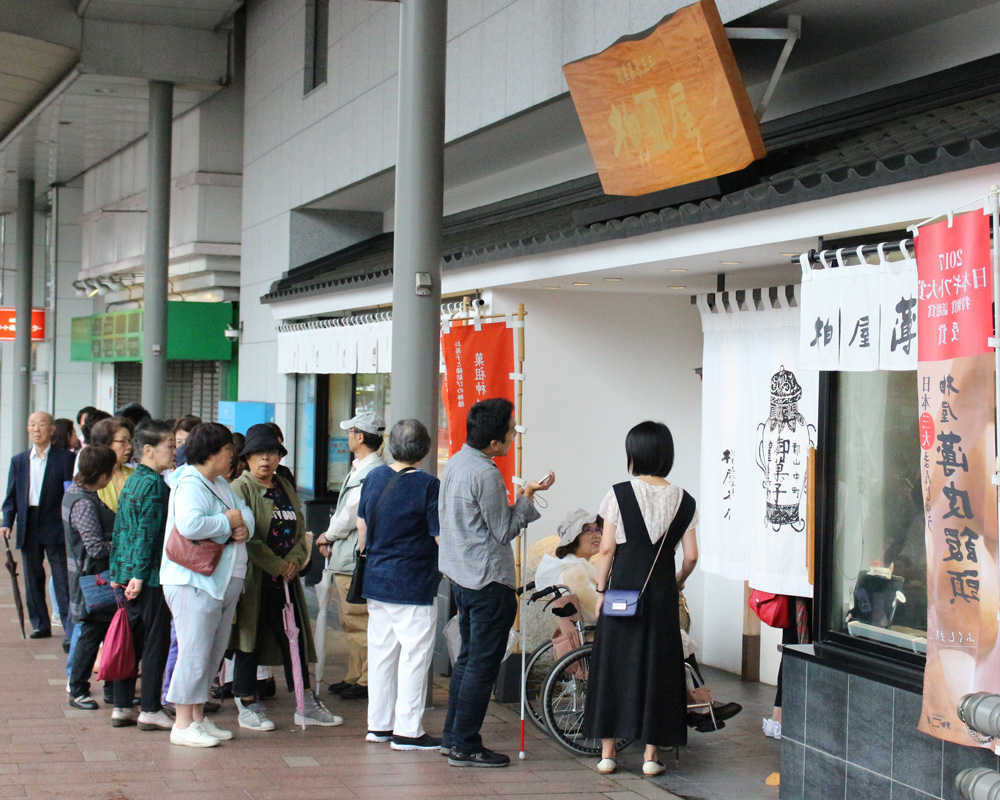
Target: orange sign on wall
666	107
8	324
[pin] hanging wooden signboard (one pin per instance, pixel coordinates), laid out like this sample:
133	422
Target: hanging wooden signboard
666	107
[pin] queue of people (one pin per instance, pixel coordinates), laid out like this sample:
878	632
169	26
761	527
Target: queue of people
207	553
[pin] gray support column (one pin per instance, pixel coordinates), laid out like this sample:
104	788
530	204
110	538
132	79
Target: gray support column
24	278
416	319
155	288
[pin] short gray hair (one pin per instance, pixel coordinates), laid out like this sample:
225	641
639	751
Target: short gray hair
409	441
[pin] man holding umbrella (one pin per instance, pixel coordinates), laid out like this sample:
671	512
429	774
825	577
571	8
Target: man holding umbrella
34	503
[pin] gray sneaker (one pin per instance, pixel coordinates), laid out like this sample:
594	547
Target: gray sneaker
253	717
317	714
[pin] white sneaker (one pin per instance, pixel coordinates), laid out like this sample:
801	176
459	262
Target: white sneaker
772	728
214	730
194	735
317	714
253	717
155	722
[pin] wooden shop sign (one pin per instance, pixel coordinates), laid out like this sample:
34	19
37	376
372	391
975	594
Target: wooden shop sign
666	107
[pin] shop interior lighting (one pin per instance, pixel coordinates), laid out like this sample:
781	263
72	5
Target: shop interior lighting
554	287
788	255
613	280
675	287
676	269
581	283
730	263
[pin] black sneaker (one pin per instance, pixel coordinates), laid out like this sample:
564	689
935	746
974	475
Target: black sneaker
422	742
337	688
482	758
84	702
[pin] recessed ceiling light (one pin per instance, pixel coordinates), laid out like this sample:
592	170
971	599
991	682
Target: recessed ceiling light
553	287
581	284
614	280
730	263
675	287
676	269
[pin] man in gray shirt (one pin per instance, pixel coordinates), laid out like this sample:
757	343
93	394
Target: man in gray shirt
477	527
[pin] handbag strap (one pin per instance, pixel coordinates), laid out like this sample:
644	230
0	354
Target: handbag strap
381	500
631	516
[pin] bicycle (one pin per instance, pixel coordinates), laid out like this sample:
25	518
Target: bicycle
558	707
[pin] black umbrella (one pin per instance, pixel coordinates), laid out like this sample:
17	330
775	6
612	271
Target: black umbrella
12	569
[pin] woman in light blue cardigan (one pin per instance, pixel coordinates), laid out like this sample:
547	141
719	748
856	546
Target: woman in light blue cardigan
203	507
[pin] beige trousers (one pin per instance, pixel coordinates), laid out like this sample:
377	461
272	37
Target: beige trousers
354	622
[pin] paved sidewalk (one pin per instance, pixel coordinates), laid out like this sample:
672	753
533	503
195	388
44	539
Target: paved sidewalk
50	750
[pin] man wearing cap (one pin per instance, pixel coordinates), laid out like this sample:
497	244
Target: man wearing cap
364	439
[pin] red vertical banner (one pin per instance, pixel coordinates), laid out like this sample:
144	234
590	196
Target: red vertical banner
478	365
958	451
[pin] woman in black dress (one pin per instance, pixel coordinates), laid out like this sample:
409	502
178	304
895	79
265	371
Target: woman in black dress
644	696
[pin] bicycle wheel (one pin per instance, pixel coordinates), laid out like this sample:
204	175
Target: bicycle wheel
564	699
535	675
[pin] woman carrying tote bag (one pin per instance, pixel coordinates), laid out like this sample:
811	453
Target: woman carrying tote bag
203	509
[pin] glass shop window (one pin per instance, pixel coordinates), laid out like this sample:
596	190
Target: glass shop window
878	581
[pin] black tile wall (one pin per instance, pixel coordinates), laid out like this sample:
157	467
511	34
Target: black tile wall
826	702
869	725
865	785
793	697
824	776
792	755
916	757
848	737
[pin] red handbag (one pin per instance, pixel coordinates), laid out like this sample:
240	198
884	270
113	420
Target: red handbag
118	655
771	608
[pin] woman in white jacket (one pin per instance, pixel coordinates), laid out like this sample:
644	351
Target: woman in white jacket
203	507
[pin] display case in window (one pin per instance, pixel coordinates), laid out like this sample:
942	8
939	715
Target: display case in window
872	571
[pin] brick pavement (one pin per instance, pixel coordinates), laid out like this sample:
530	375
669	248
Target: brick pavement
50	750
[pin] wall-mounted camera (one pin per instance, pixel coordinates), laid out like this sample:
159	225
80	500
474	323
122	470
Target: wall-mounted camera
231	333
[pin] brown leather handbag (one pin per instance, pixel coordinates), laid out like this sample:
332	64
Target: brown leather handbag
201	556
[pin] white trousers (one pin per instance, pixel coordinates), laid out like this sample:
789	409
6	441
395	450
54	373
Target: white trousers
400	649
203	625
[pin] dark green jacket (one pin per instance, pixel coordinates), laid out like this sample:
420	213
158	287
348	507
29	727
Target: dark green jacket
137	546
262	560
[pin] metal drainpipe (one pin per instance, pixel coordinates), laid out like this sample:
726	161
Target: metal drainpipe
155	288
416	284
25	264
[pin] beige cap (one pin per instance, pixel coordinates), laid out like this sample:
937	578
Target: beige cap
572	525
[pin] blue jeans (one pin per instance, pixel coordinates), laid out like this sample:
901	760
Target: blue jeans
484	620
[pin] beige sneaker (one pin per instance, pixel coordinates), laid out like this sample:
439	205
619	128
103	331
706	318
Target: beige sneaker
123	717
194	735
155	722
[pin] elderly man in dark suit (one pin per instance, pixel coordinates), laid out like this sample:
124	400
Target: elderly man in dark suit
34	503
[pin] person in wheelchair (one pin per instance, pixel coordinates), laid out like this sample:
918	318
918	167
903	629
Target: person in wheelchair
579	541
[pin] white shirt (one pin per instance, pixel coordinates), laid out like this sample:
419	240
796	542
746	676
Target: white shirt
36	472
658	504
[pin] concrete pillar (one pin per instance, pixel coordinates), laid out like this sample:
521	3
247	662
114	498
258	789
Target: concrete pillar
156	286
416	317
24	279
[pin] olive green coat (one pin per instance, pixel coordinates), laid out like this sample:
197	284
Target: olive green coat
261	560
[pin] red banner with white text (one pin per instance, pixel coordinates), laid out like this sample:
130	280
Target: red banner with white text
955	380
478	365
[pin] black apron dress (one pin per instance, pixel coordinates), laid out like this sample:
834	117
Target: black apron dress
637	689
